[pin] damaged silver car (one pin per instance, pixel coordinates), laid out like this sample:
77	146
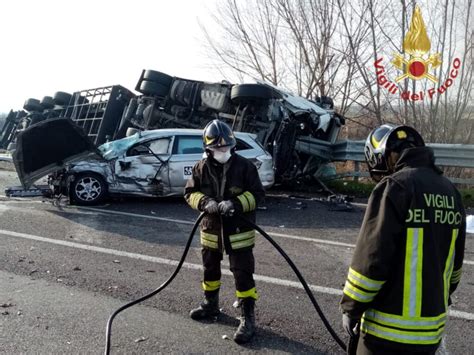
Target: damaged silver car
147	163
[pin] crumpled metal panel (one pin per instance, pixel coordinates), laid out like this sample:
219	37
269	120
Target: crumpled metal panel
115	149
138	178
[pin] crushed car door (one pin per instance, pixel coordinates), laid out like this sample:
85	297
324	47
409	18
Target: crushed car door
49	146
143	170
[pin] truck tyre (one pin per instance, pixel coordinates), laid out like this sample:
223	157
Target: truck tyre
153	89
33	105
158	77
88	189
251	92
131	131
47	102
62	98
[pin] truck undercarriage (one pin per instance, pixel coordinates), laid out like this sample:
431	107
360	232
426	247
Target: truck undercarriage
278	118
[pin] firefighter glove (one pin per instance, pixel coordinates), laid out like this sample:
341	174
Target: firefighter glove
350	325
226	208
211	207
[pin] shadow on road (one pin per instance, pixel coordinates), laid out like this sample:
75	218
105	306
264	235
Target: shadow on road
266	340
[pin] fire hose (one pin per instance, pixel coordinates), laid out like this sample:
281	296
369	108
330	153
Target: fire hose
108	333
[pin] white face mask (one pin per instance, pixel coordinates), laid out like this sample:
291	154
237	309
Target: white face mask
221	157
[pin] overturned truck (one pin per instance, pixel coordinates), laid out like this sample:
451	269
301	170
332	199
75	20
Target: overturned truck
277	117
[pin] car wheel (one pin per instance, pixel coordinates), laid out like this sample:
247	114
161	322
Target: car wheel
88	189
33	105
251	92
158	77
153	89
62	98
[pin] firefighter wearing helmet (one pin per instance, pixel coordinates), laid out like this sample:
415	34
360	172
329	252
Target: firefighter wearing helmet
225	185
409	253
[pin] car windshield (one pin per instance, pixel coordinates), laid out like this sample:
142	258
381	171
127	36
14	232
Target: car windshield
114	149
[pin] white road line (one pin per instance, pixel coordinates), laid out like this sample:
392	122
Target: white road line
281	235
153	259
288	236
180	221
129	214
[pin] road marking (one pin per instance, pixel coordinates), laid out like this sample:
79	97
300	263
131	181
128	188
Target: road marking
281	235
288	236
180	221
154	259
129	214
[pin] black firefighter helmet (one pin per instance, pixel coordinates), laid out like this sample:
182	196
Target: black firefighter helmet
218	134
385	139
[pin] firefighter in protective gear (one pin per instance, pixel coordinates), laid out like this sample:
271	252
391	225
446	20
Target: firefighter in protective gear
409	253
225	185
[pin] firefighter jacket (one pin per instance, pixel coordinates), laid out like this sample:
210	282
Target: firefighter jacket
408	257
238	181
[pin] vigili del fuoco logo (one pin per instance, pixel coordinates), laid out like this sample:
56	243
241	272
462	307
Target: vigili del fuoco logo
416	64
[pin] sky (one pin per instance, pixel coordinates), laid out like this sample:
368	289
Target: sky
62	45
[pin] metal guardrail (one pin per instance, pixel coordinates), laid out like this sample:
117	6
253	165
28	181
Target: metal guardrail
453	155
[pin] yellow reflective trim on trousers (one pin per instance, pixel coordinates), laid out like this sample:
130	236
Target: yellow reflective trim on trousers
412	284
252	293
211	285
242	240
245	204
402	336
448	268
357	294
394	320
251	199
209	240
363	281
194	199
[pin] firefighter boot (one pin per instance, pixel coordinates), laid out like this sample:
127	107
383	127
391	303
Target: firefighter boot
209	307
246	329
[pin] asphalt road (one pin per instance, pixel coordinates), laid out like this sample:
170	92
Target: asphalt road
64	270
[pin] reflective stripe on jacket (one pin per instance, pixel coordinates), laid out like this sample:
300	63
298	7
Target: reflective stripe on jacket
408	258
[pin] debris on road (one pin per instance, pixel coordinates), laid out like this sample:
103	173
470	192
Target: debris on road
139	340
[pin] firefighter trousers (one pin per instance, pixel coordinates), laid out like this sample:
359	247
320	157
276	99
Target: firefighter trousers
367	348
242	265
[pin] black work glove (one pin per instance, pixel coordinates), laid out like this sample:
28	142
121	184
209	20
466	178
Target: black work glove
211	206
226	208
350	325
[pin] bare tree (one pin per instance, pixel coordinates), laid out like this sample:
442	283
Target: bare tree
316	47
